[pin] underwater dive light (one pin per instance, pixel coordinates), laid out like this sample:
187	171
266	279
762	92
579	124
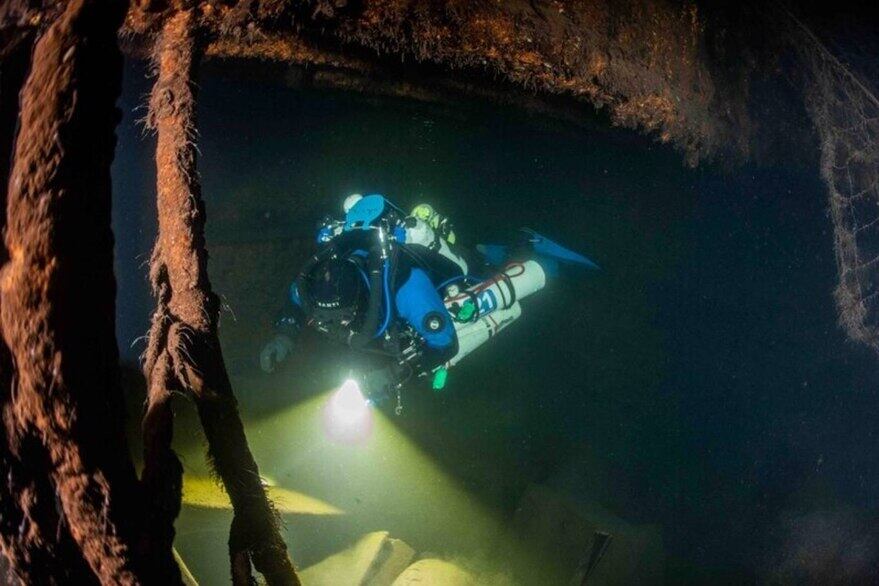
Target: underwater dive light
347	415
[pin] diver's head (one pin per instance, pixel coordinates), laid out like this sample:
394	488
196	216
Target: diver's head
351	201
424	212
337	291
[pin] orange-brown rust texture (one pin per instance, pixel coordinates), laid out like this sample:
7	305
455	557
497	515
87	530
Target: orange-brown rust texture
162	475
643	60
184	352
67	466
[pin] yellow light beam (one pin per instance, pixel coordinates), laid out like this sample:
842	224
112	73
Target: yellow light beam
200	491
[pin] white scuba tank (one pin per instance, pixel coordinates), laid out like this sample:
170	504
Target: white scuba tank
497	300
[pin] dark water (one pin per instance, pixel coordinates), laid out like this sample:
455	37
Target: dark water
698	383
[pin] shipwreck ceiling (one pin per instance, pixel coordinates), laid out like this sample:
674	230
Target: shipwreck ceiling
646	62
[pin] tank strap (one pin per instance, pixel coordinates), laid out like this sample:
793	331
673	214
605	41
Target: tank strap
510	289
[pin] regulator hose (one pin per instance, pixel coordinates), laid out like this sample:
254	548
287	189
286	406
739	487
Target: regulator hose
377	269
387	295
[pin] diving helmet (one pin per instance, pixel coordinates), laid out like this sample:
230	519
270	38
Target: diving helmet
337	291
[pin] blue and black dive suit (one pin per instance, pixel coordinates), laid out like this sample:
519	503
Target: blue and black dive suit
396	307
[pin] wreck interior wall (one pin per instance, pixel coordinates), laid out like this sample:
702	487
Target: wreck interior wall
715	298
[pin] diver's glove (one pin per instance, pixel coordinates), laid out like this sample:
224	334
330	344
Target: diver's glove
275	352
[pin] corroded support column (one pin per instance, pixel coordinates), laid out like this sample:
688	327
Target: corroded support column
184	352
68	480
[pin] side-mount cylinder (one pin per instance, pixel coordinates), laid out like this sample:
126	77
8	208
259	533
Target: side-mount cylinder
497	305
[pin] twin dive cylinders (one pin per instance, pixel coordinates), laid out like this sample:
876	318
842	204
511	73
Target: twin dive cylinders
484	309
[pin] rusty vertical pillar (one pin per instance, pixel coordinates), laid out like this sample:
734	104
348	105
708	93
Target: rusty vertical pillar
34	538
68	475
184	352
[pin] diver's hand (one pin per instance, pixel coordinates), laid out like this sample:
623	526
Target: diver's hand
275	352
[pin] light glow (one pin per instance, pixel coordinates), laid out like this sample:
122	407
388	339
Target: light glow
347	416
386	482
204	492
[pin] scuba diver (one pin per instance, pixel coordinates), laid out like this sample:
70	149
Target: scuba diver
401	286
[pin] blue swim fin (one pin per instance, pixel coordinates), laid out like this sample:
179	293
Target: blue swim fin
495	254
545	247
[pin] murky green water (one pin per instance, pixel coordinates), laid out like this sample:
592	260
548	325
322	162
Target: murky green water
697	387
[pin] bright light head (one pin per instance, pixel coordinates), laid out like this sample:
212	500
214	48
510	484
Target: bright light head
347	416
